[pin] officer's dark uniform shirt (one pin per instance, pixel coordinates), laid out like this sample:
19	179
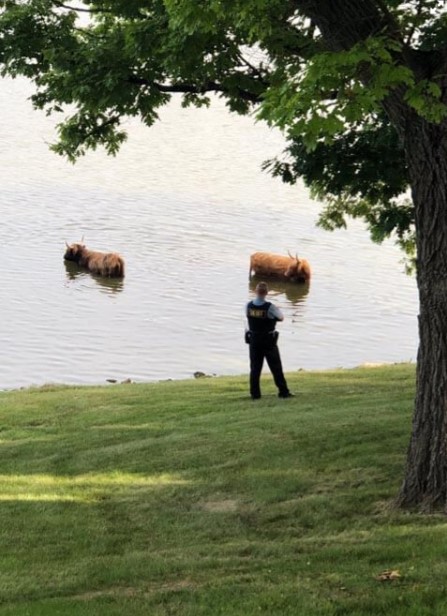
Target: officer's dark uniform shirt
262	316
258	320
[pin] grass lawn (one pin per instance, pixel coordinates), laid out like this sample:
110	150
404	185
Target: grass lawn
188	498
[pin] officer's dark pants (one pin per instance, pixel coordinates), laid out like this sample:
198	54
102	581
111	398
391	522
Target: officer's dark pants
264	346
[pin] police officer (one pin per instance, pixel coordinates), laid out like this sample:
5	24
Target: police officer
262	317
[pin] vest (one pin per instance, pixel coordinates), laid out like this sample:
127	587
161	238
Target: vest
258	320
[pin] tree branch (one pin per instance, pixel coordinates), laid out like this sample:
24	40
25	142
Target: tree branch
413	29
343	23
256	71
186	88
61	5
390	20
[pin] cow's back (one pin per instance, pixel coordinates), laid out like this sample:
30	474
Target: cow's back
269	264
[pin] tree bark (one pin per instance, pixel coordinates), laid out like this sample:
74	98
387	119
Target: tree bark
424	484
342	24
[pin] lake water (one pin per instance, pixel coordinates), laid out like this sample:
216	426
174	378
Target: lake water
185	203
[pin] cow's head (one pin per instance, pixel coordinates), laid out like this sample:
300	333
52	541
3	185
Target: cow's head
74	252
295	272
292	271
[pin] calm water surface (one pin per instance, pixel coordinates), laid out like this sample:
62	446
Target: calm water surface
186	203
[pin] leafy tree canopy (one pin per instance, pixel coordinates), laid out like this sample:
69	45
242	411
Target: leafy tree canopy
97	62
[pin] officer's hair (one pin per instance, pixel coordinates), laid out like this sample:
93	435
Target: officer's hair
262	288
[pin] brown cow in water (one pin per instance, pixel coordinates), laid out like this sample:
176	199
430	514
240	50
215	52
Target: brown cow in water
289	268
109	264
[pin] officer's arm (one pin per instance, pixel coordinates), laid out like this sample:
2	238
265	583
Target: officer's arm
276	313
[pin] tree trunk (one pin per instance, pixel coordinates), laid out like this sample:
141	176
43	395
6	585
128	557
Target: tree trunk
343	23
425	479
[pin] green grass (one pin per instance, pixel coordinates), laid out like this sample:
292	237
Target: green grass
188	498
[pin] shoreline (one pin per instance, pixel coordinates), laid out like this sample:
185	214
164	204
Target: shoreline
198	375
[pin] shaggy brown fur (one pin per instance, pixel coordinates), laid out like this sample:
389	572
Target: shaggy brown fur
109	264
289	268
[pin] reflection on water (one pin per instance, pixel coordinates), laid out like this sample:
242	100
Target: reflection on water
294	293
108	285
186	204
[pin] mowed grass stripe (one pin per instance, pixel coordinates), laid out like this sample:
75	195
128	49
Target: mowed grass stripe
188	498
